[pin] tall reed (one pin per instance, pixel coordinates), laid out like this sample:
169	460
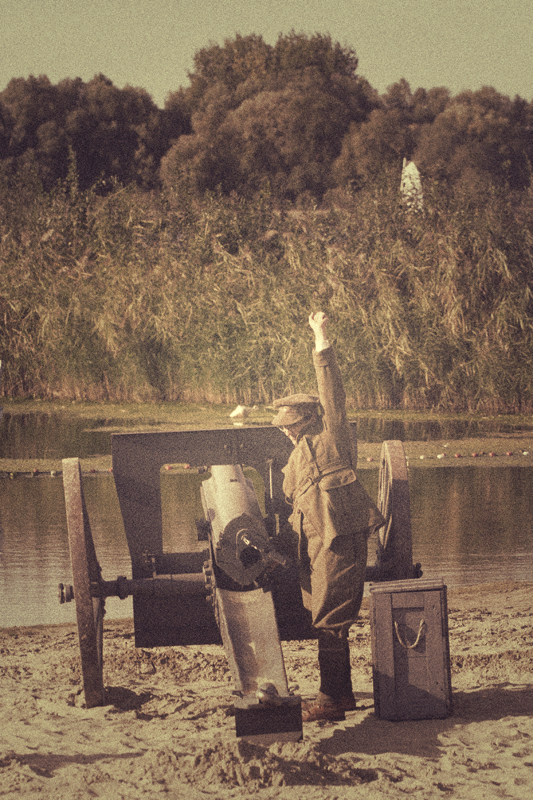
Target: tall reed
161	297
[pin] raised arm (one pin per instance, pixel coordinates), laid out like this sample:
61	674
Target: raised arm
328	375
318	322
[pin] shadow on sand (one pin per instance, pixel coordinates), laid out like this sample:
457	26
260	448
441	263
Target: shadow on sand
374	736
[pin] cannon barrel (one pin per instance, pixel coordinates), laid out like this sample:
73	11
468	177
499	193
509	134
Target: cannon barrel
265	710
239	538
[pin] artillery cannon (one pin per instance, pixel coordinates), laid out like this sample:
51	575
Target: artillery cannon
242	589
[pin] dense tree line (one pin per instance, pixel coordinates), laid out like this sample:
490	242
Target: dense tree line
294	117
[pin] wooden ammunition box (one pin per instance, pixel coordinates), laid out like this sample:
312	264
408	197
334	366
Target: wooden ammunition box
410	650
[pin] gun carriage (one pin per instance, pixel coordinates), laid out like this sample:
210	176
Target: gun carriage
242	589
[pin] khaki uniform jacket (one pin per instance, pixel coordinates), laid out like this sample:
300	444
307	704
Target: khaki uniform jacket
320	480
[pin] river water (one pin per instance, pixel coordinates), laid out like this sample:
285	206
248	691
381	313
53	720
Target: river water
470	524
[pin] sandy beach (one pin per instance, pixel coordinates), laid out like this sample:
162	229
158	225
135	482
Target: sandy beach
167	729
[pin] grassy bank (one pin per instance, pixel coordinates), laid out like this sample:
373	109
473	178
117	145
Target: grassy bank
150	298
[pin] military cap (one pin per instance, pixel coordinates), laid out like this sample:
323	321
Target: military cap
294	408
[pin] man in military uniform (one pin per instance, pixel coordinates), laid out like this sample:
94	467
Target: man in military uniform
333	516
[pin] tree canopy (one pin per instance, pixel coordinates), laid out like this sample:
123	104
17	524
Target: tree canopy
113	133
294	116
265	114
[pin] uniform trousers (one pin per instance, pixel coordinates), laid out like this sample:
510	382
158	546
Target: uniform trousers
332	583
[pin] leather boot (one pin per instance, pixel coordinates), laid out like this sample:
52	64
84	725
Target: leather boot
336	695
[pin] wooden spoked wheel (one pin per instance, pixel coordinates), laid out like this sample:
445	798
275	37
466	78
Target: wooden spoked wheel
85	571
395	545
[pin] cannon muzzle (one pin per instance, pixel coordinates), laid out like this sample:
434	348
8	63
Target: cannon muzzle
241	545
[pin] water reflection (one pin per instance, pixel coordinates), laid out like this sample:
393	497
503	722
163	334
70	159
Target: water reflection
34	552
43	435
470	525
470	522
374	429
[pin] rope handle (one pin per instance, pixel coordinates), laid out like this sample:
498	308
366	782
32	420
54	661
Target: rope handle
421	631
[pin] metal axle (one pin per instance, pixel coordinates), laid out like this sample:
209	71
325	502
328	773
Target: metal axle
193	584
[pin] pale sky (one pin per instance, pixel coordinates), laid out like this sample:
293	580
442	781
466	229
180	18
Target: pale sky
460	44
